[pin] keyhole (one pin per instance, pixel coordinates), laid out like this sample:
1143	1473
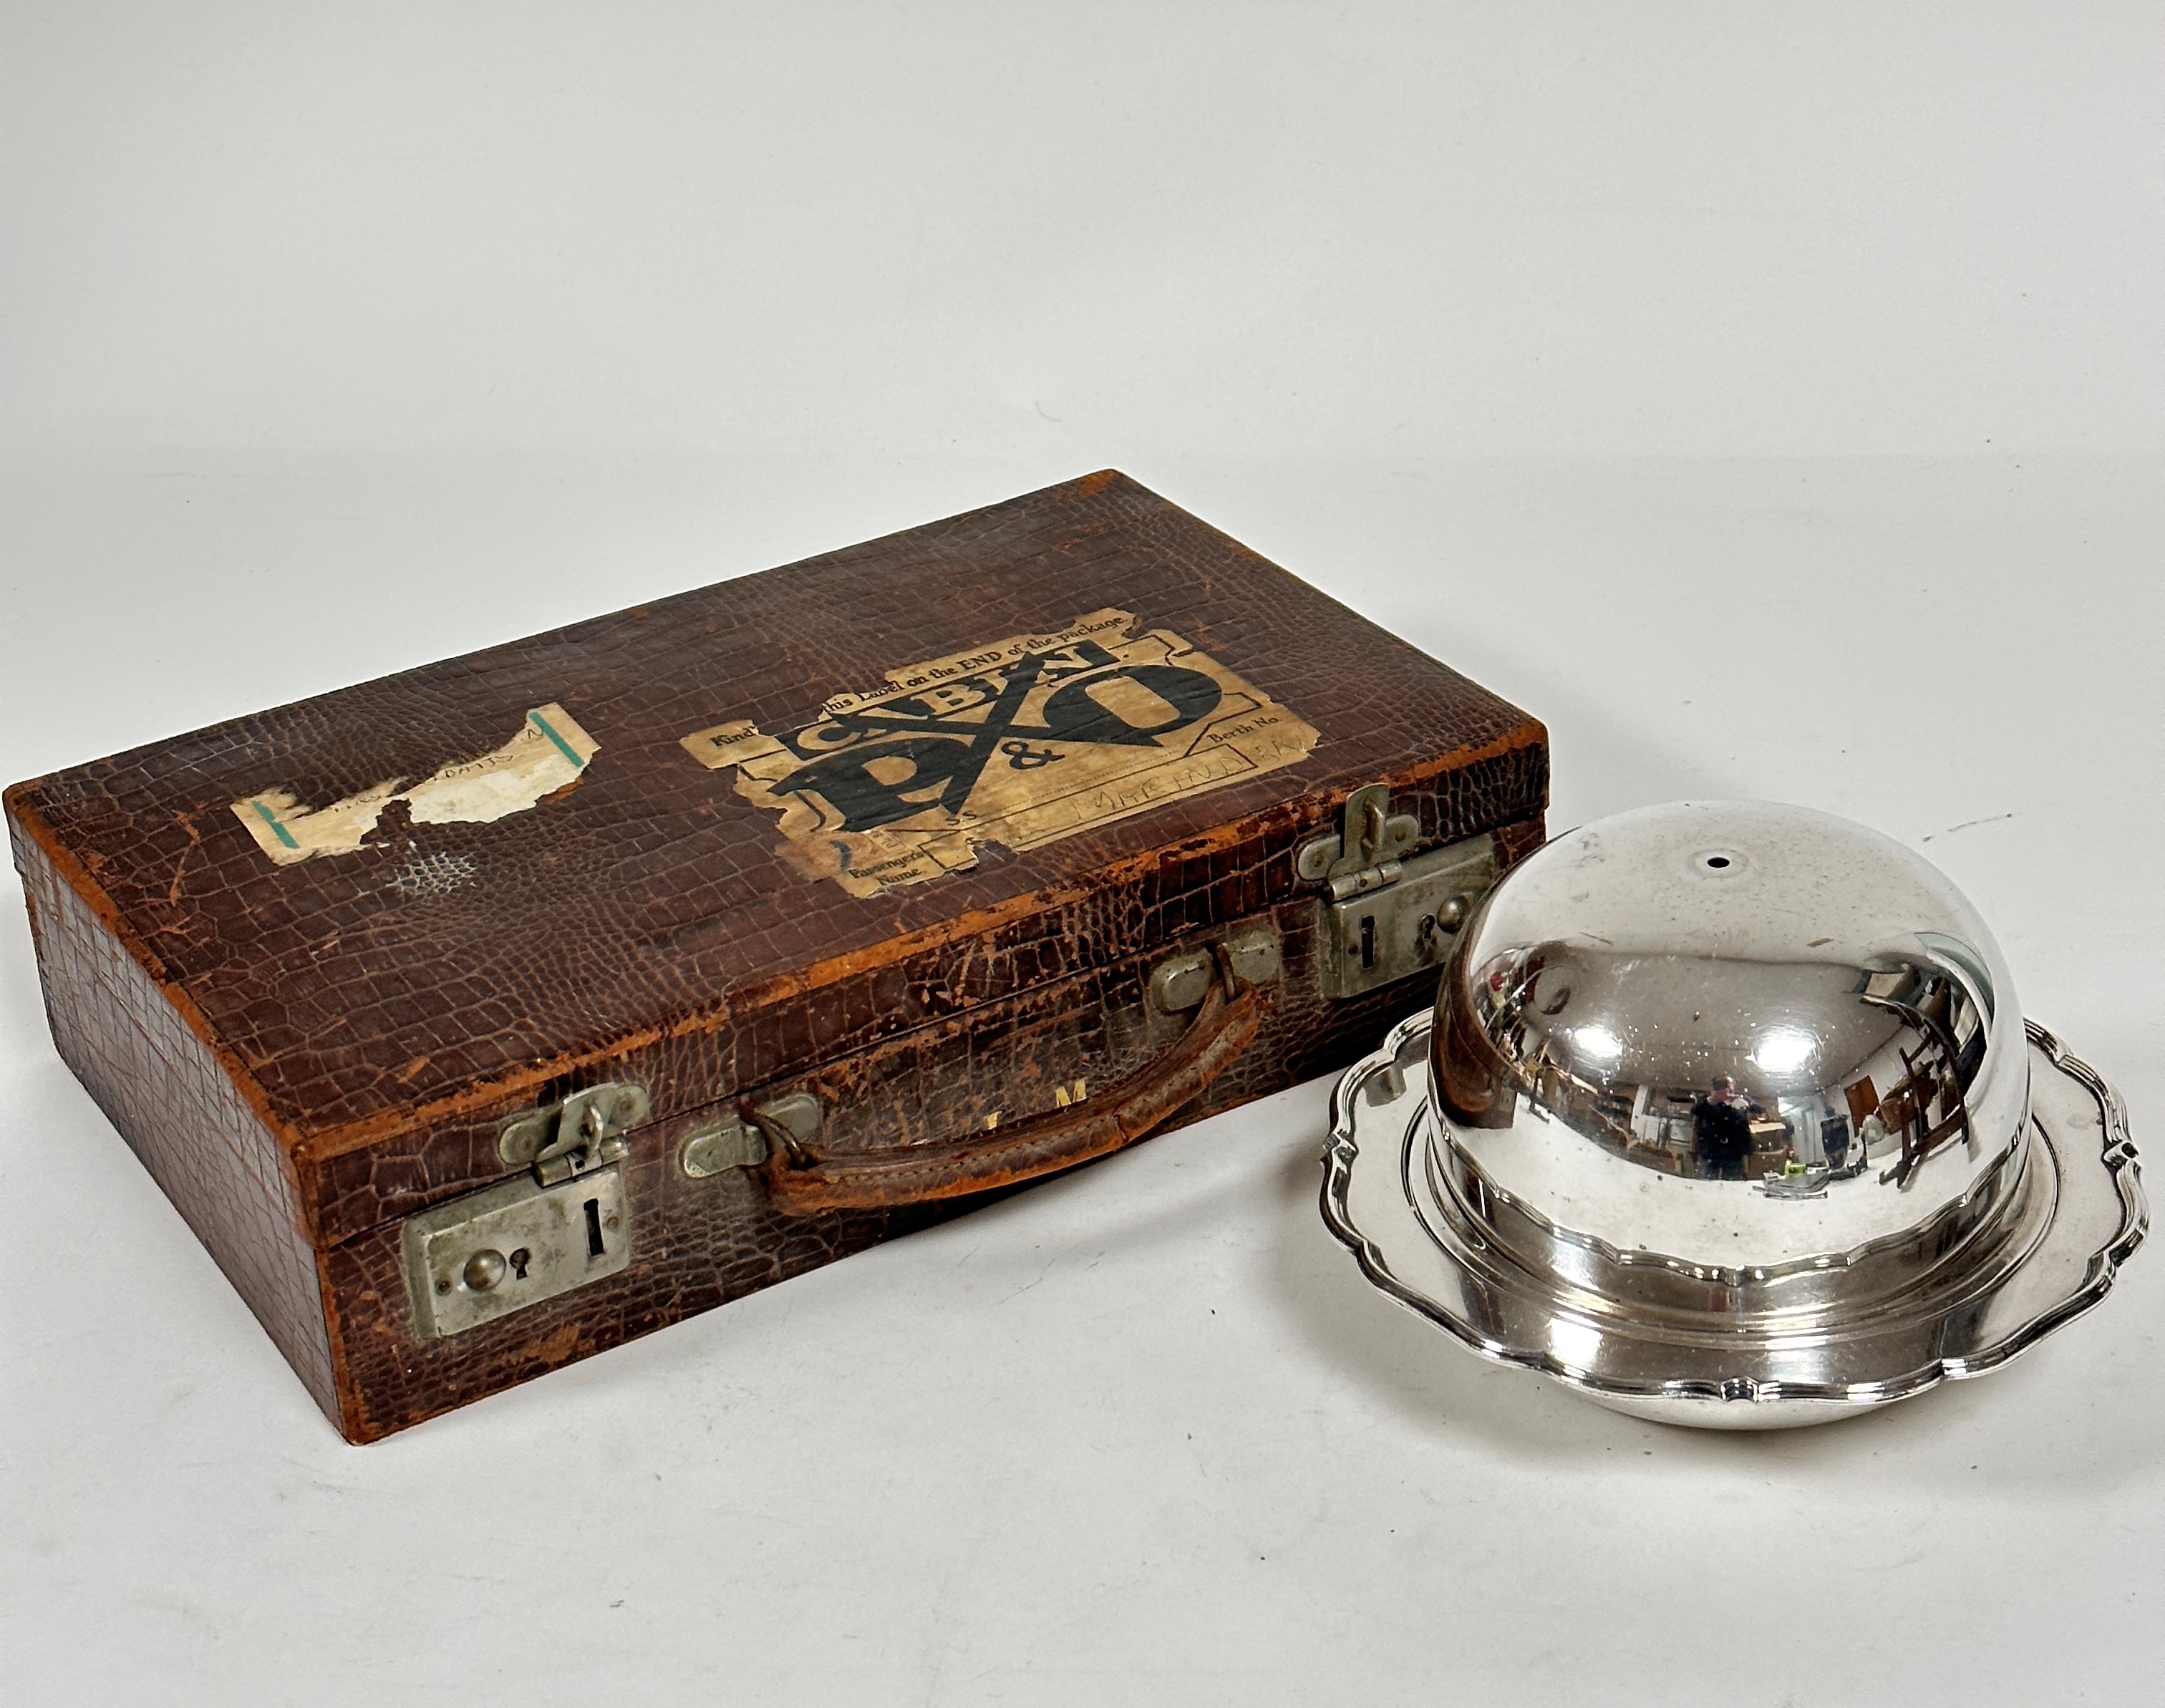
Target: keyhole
519	1259
594	1246
1368	942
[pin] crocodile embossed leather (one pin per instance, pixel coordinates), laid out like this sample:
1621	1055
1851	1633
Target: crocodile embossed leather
482	1017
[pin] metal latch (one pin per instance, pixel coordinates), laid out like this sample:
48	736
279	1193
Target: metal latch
497	1251
491	1252
1363	855
585	1131
1387	918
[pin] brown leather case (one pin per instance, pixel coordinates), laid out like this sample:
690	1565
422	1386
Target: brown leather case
483	1016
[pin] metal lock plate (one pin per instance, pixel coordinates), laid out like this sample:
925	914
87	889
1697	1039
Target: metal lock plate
491	1252
1408	923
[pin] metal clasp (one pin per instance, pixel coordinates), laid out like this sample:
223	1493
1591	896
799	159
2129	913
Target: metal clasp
1387	917
491	1253
585	1131
1363	854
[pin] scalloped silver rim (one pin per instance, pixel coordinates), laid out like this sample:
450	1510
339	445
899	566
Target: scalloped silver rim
2117	1156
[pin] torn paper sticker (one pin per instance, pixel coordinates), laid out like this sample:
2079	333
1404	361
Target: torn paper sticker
548	754
1020	742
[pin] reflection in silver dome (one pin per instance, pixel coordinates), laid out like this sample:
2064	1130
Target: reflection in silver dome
1730	1058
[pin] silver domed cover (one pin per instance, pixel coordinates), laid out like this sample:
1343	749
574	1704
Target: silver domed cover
1734	1099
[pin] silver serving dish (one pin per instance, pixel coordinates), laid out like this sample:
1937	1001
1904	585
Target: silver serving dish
1728	1115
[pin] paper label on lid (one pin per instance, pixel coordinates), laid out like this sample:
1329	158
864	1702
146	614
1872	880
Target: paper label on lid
1021	742
549	754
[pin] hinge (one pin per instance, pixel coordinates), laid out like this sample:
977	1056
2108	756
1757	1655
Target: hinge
1387	917
585	1131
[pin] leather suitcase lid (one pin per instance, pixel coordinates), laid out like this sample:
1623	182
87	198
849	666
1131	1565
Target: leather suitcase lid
481	872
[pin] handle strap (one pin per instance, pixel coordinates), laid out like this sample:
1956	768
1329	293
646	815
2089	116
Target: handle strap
802	1181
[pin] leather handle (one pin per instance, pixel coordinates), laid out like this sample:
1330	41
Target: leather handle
801	1181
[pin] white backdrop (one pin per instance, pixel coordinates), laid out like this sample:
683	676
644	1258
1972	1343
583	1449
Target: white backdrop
1775	404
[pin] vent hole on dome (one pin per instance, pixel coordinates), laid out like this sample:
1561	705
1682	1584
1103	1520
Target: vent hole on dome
1717	861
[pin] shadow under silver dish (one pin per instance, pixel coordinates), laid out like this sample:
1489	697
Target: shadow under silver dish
1727	1116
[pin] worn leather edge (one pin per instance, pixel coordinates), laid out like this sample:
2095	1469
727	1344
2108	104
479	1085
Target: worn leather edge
381	1185
78	877
304	1154
419	1381
310	1141
361	1418
173	1101
317	1147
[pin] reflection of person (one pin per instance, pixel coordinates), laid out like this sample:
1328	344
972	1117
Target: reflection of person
1721	1131
1871	1135
1834	1139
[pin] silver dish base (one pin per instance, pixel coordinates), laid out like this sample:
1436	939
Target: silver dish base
2080	1216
